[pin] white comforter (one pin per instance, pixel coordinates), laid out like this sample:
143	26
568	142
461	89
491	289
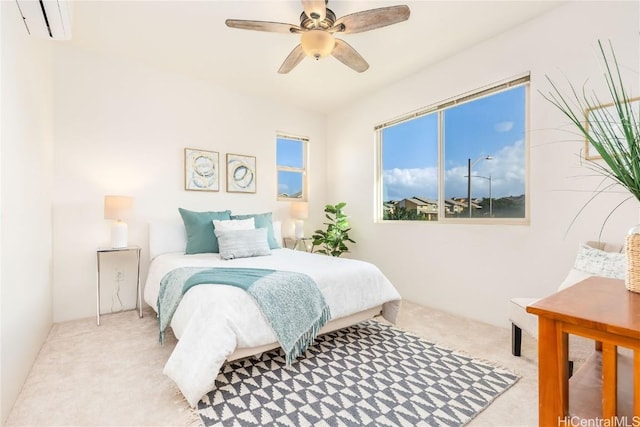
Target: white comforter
213	320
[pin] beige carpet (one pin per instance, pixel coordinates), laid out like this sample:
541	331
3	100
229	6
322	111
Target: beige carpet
87	375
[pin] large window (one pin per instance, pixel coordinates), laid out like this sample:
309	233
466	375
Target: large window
463	159
291	164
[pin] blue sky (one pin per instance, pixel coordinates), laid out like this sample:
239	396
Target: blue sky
289	153
490	126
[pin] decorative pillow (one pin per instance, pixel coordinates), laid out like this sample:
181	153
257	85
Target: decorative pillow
263	221
199	227
243	243
234	224
601	263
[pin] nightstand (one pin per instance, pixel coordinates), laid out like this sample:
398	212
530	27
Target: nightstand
102	251
302	243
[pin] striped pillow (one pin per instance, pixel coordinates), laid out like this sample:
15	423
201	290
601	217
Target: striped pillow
243	243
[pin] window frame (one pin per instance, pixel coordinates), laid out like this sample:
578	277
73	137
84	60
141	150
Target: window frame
438	108
303	170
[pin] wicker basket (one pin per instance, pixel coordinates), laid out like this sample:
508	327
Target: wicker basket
632	279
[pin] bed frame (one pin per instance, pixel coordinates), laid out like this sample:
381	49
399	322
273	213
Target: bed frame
170	236
333	325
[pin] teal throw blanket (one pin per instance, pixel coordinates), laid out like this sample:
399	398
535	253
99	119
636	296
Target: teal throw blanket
291	302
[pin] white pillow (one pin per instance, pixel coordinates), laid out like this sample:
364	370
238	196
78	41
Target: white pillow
242	243
234	224
277	232
601	263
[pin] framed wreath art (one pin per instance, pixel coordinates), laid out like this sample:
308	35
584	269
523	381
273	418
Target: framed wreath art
201	170
241	173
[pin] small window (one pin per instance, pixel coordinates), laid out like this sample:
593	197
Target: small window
291	165
463	159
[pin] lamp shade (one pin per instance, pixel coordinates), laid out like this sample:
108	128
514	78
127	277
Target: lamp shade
317	43
299	210
117	207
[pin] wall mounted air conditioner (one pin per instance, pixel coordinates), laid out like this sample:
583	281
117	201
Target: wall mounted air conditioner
47	18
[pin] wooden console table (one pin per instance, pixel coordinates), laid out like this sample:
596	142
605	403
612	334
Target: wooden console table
604	310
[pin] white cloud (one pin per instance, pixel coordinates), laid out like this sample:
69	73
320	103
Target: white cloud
506	170
503	126
401	183
283	188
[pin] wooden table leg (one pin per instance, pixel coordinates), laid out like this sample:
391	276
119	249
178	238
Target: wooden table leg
609	381
636	384
553	397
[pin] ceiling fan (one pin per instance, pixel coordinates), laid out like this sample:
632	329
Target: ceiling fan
318	25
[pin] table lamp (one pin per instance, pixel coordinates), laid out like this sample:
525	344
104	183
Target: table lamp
299	212
118	208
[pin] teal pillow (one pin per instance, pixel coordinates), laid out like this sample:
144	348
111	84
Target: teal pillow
200	235
263	220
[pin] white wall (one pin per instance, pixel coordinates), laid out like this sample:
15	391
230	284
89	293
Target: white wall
121	128
26	171
473	270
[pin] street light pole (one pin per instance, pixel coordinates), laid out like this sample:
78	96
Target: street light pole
469	167
469	186
490	200
488	178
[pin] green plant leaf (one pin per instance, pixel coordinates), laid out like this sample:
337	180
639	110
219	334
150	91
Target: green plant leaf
332	240
614	131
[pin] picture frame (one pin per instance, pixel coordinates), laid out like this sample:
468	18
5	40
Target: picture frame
201	170
590	153
241	173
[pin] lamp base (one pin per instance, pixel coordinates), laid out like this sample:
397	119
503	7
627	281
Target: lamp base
119	233
299	232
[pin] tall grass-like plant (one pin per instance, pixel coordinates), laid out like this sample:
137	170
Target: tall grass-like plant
613	132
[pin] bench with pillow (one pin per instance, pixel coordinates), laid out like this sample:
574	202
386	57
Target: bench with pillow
593	259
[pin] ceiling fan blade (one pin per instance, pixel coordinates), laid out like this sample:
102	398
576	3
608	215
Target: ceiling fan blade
371	19
315	9
344	53
272	27
294	58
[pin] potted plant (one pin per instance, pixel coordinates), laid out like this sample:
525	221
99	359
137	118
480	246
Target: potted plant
612	127
332	241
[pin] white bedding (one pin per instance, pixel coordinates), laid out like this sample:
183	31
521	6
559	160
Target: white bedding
213	320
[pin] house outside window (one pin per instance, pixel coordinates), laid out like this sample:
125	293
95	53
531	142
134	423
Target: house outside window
291	165
464	159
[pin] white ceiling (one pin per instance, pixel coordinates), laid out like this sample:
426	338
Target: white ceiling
190	37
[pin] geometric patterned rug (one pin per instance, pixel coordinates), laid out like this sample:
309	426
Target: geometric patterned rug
369	374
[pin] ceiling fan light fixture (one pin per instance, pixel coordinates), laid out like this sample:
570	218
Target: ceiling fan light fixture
317	43
318	24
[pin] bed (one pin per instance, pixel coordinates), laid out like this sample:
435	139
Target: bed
215	323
